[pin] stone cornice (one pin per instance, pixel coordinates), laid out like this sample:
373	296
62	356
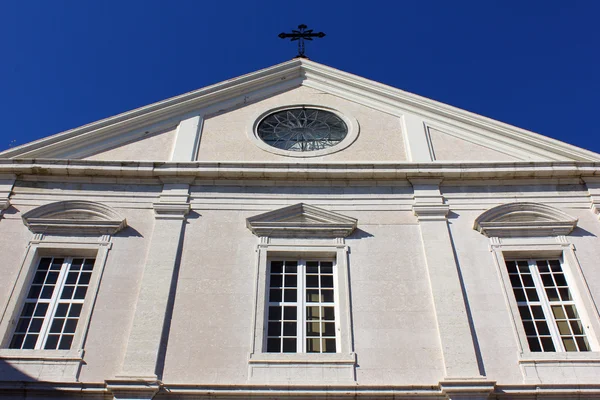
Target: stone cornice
301	171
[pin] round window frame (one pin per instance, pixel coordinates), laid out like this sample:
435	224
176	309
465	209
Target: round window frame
351	136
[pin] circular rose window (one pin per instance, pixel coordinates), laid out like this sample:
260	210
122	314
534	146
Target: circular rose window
302	129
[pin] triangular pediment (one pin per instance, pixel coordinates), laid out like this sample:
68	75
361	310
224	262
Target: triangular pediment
74	217
301	221
443	133
524	220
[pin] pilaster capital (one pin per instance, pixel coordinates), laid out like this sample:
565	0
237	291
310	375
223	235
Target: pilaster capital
431	212
166	210
139	388
476	388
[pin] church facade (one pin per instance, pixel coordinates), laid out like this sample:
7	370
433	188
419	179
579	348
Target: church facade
299	232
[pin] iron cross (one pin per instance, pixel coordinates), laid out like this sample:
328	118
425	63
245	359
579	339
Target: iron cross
301	35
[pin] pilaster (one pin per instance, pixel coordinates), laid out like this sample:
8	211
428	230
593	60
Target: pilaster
147	339
187	139
6	185
593	186
456	339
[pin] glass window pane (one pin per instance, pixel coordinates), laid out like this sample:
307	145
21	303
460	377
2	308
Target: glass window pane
40	310
326	281
312	296
275	295
327	295
547	344
36	325
537	312
542	265
291	280
65	342
70	326
16	342
569	344
532	295
313	328
560	280
527	280
289	329
57	264
326	267
44	264
88	265
582	343
523	266
274	329
542	328
61	310
289	345
511	266
328	329
312	313
515	281
30	341
571	312
519	294
28	309
534	344
577	328
34	292
72	277
289	313
563	327
80	292
558	312
276	267
290	295
328	313
555	265
39	277
67	293
547	280
51	342
57	325
276	281
552	294
529	328
274	313
75	310
273	345
23	325
565	295
47	292
524	311
312	281
329	346
312	267
313	345
76	263
291	267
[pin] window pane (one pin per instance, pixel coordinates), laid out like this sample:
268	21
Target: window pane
28	309
291	280
529	328
75	310
569	344
312	281
57	325
542	328
65	342
312	267
289	329
41	309
524	311
560	280
326	281
52	342
313	328
534	344
515	281
328	329
326	267
571	311
327	296
36	325
17	341
511	266
273	345
276	280
80	293
88	265
274	313
329	346
276	267
30	341
582	343
289	313
519	294
72	278
577	328
563	327
328	313
84	278
274	329
289	345
552	294
537	312
558	312
275	295
290	295
527	280
70	325
67	292
312	313
291	267
532	295
547	344
312	296
61	310
313	345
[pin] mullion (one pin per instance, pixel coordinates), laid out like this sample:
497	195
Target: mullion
53	302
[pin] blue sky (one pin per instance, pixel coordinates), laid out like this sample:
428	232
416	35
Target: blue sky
533	64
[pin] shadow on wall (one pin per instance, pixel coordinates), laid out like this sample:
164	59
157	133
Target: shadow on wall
10	373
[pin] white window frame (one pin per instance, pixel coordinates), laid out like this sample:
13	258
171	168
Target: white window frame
38	362
547	248
342	363
301	303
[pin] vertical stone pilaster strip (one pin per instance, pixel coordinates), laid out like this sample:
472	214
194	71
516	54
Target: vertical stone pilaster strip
593	186
146	336
457	342
6	185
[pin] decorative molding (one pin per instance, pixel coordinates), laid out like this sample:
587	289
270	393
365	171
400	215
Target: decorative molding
75	216
524	220
431	212
301	221
133	388
164	210
474	388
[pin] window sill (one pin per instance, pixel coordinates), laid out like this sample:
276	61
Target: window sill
302	358
562	357
45	355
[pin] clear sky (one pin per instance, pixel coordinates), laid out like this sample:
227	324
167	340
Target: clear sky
533	64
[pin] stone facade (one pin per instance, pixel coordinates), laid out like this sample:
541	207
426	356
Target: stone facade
183	211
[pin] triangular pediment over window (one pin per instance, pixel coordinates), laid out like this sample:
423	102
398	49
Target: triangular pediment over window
524	220
301	221
74	217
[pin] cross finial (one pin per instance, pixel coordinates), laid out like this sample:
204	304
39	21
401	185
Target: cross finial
301	35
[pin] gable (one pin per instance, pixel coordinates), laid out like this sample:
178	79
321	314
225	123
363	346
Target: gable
215	124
